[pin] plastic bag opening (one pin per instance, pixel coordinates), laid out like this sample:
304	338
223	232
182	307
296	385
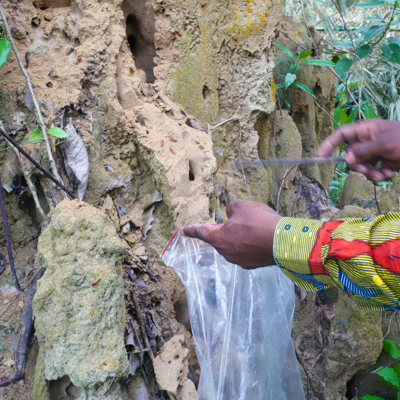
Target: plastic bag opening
241	322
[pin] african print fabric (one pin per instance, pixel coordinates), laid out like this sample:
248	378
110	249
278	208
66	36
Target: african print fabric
360	256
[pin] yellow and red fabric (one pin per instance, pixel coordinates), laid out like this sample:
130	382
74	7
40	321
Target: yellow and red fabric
360	256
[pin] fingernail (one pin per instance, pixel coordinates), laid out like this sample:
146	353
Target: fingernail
350	158
182	232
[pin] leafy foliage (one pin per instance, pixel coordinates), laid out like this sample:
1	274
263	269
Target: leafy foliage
391	376
366	51
4	51
290	75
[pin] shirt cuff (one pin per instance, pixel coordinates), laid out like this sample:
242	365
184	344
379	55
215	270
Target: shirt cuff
296	254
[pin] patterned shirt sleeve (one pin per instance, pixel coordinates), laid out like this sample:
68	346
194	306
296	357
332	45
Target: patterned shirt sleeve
360	256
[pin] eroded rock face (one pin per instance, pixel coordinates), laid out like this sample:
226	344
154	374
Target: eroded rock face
79	305
171	369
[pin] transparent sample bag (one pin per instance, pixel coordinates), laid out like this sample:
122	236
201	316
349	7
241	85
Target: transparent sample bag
241	322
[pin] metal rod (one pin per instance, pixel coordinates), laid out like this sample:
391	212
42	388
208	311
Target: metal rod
287	161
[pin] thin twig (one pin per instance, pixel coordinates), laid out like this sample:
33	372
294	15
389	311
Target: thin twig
241	165
47	173
31	186
32	93
376	200
12	302
297	194
16	297
316	360
112	381
288	37
222	123
8	242
137	337
287	172
364	355
387	26
326	112
360	112
300	361
306	25
279	102
141	324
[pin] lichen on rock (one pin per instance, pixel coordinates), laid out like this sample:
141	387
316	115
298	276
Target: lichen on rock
80	324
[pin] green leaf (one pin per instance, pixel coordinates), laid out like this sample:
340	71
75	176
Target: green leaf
346	44
280	86
287	51
396	369
339	115
386	52
364	51
374	19
289	79
304	88
350	119
369	114
391	348
322	2
373	31
395	48
4	51
370	4
393	40
304	54
36	136
368	397
58	132
343	66
320	63
389	376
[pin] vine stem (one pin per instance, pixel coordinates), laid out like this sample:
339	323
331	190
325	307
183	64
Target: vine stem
24	153
8	242
387	26
35	102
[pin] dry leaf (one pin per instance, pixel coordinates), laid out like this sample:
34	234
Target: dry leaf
76	160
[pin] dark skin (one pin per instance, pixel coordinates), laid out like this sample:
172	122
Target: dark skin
247	238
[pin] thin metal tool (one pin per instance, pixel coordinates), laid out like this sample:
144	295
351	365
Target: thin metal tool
288	161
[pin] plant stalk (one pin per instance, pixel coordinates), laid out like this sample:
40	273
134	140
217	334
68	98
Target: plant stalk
36	104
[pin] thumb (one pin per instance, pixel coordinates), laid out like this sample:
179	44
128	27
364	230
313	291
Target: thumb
363	152
206	232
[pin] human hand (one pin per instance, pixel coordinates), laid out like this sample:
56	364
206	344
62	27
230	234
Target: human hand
370	141
246	239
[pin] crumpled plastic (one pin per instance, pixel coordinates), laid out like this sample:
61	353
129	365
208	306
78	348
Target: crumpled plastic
241	323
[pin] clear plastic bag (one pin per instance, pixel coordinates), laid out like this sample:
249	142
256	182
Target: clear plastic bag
241	322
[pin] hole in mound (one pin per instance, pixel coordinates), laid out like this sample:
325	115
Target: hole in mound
182	312
45	4
263	128
140	35
206	92
63	388
191	173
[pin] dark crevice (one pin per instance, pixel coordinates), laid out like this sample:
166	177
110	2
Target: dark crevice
191	173
206	92
263	128
140	36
